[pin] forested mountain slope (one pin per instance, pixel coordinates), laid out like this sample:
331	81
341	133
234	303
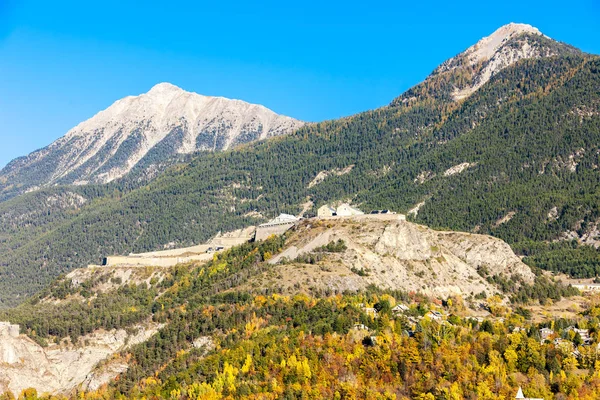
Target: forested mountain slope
518	159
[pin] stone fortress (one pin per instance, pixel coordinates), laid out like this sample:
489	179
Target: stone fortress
169	258
204	252
276	226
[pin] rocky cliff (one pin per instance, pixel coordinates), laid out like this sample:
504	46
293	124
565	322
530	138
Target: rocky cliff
389	252
62	367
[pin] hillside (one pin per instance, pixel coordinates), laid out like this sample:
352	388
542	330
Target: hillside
143	133
98	323
516	159
388	252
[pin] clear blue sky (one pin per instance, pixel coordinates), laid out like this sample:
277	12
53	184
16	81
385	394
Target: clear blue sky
63	61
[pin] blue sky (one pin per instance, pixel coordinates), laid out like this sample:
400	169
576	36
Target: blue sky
63	61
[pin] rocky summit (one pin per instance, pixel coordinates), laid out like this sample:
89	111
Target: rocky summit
144	131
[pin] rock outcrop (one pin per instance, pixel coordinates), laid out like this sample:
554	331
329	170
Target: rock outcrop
62	367
389	252
490	55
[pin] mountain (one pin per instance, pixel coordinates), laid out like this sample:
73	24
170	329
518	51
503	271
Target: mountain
503	48
462	75
517	159
143	131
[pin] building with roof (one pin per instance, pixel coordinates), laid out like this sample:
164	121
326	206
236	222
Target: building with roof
545	334
326	211
400	308
345	210
584	334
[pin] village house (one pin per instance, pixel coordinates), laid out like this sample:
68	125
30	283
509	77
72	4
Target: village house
584	334
400	308
545	334
434	315
564	345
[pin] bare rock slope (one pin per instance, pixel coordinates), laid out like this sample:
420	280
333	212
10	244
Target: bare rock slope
60	368
144	131
387	251
465	73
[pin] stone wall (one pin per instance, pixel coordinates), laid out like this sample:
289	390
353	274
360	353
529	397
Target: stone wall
154	261
263	232
169	258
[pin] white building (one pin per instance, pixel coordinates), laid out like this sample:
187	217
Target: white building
584	334
400	308
276	226
545	334
345	210
435	315
282	219
326	211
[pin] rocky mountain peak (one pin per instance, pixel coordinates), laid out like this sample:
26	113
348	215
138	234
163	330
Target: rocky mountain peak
144	131
506	46
462	75
164	87
487	47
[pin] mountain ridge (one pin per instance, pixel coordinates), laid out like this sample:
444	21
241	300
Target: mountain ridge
462	75
163	122
532	116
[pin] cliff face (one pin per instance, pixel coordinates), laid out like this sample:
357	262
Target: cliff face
390	252
61	368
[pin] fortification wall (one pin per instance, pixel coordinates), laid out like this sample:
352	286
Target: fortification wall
263	232
168	258
154	261
229	242
201	248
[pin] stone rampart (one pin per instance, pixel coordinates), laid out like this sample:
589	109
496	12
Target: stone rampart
154	261
264	231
